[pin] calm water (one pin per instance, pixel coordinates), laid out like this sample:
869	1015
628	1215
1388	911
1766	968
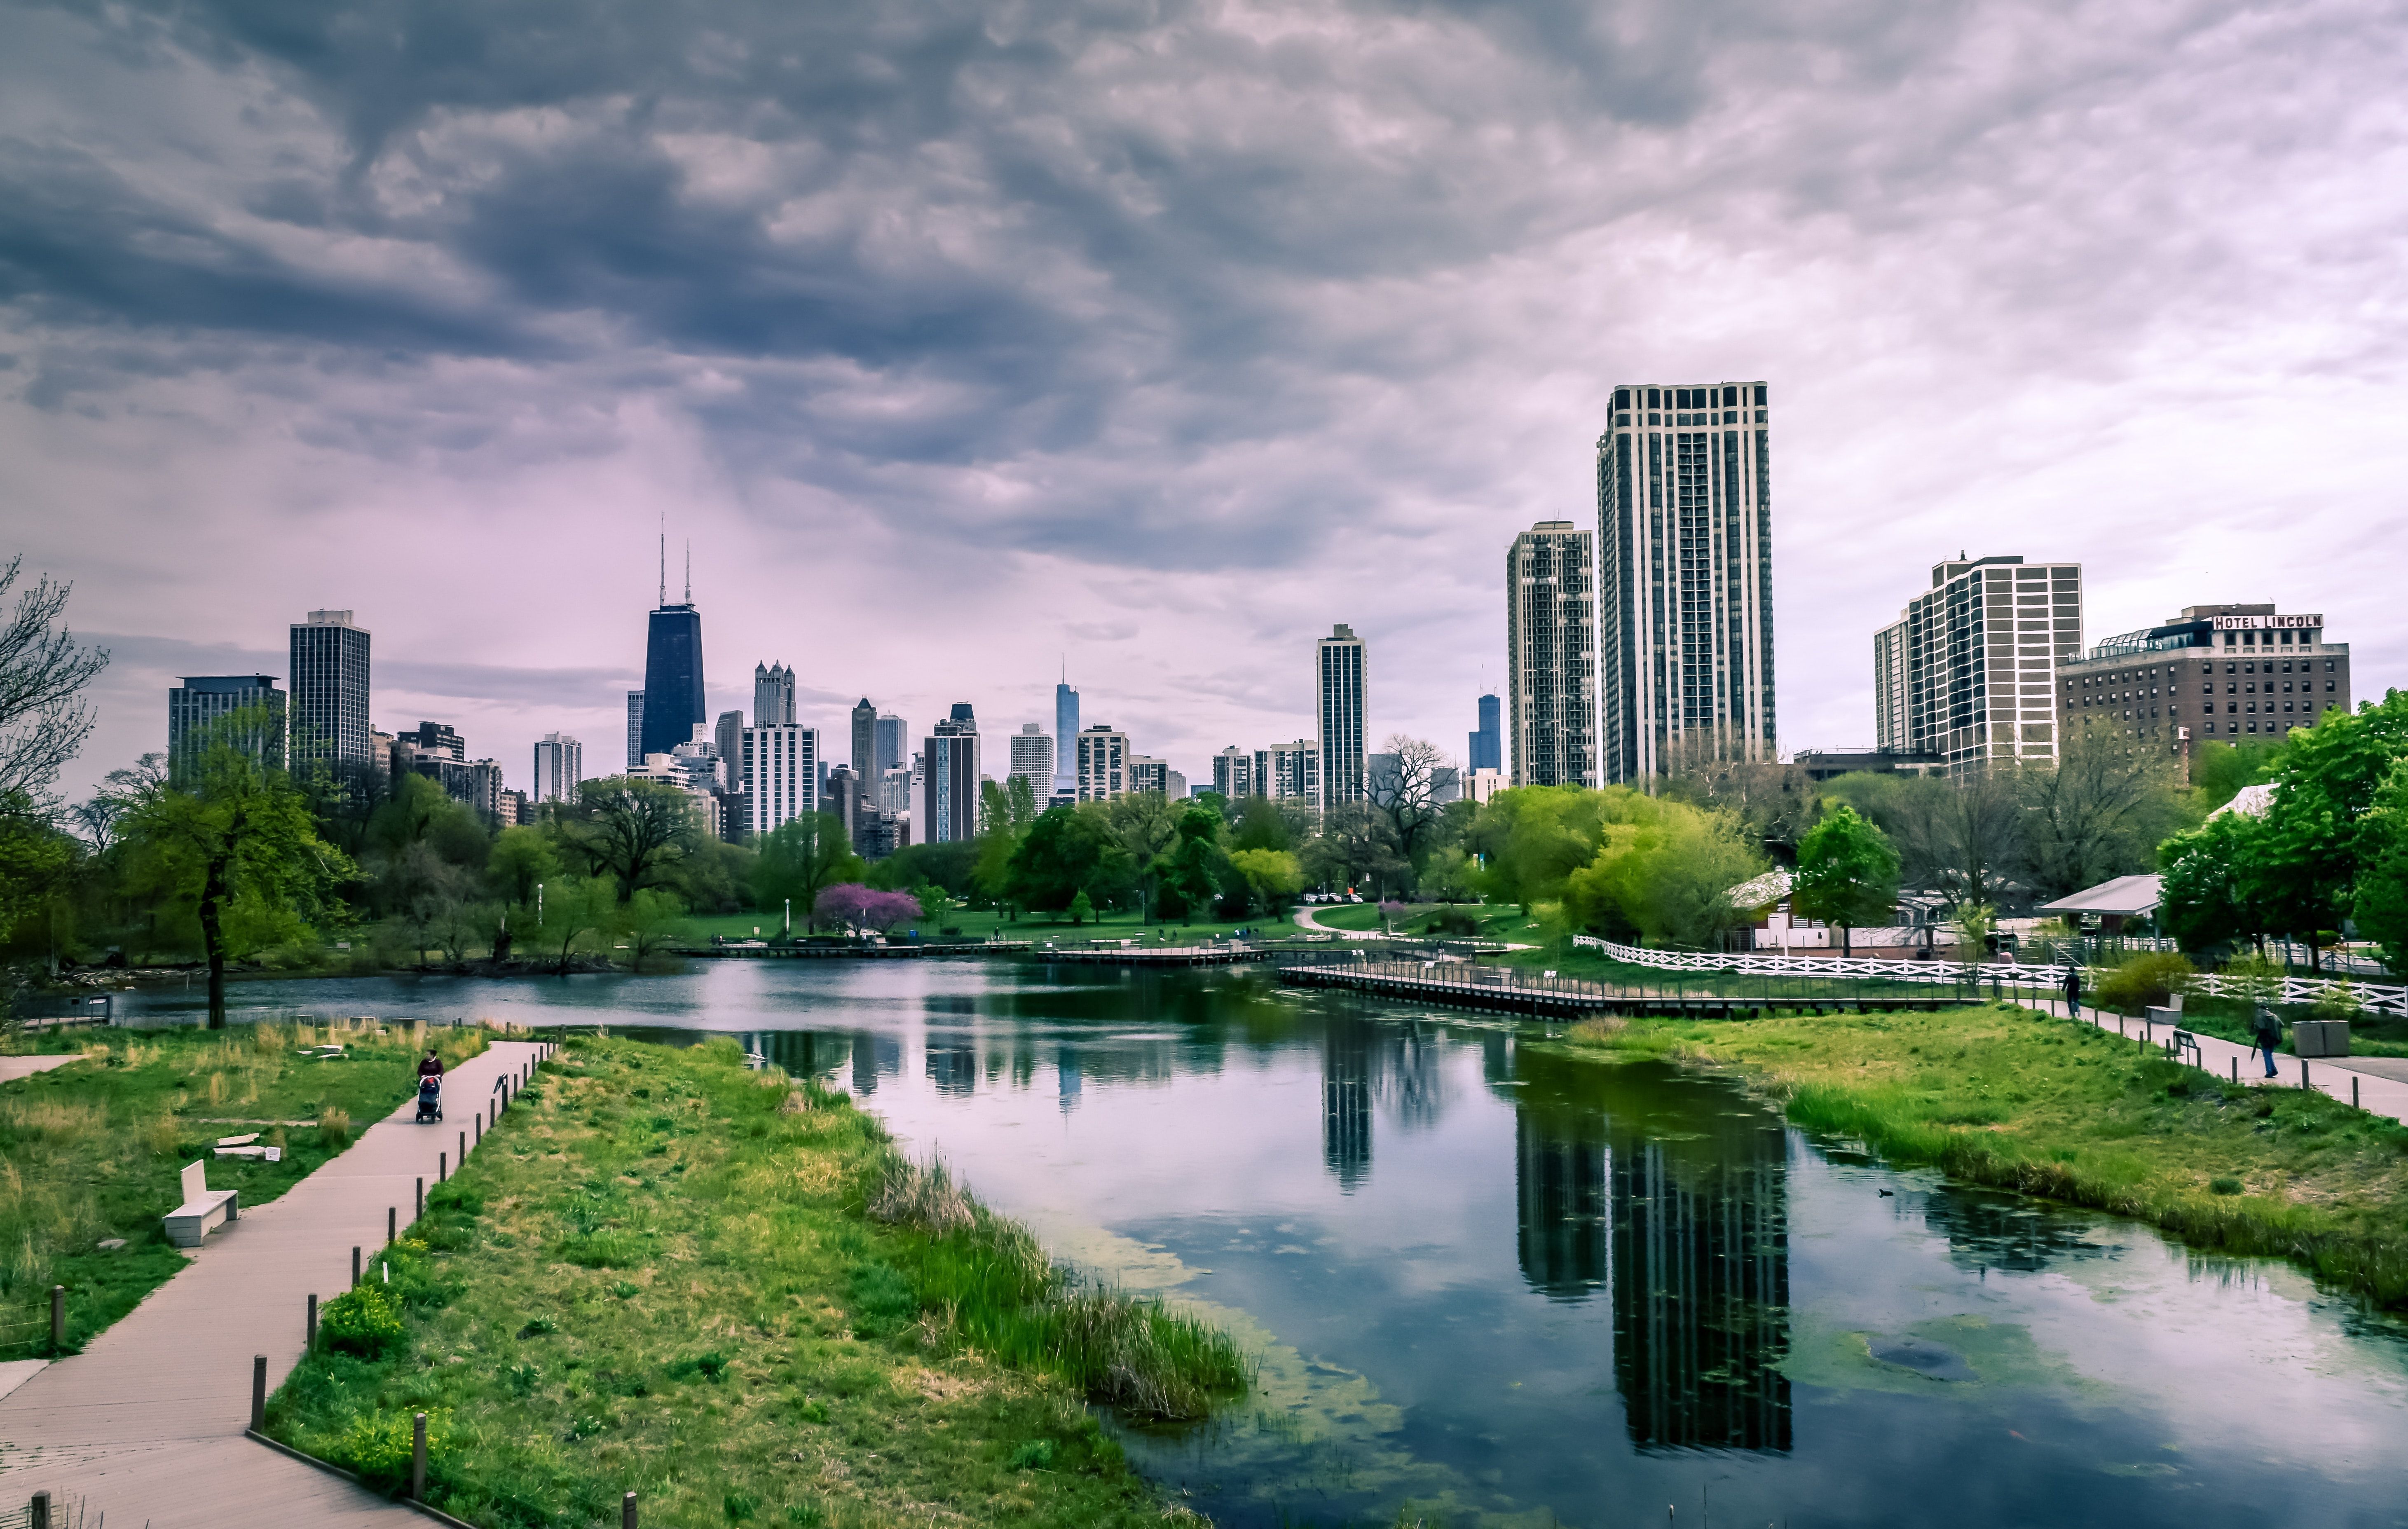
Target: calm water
1503	1288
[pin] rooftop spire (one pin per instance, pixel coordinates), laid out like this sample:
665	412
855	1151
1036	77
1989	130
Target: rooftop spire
689	571
664	557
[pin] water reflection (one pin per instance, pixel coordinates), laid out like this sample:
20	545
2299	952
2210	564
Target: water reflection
1346	1101
1559	1183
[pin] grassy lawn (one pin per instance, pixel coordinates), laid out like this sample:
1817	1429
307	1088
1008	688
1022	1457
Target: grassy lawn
726	1291
91	1152
2051	1107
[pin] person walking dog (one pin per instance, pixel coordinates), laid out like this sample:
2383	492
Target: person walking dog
2073	991
2269	1035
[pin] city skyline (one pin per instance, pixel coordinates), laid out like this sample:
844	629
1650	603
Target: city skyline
1172	423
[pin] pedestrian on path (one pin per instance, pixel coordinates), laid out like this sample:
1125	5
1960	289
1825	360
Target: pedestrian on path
431	1066
2269	1035
2073	991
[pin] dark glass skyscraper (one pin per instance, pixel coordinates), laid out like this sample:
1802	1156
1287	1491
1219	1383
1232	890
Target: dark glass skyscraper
1487	744
329	680
673	702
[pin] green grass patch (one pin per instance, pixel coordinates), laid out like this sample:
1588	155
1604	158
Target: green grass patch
794	1325
92	1151
2001	1095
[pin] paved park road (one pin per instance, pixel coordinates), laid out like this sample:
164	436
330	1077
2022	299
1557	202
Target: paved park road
146	1425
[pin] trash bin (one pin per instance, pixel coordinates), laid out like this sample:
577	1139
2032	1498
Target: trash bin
2320	1038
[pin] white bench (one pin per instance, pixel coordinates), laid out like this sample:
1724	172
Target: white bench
203	1208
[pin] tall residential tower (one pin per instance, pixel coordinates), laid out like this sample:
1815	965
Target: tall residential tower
1337	678
1969	672
1684	577
1065	729
1549	657
329	678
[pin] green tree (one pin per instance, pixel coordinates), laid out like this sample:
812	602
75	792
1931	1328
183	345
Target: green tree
2319	830
521	859
2211	889
2379	900
1357	847
1006	812
1081	908
635	831
801	858
1272	874
43	674
2220	770
1451	876
2100	813
1141	828
1664	873
1530	838
574	909
239	847
653	920
1847	874
1062	852
1191	866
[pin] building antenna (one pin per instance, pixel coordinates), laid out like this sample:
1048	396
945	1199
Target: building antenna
664	557
1065	666
689	571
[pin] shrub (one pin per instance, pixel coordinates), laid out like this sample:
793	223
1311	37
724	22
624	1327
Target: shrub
1452	921
2149	979
377	1444
335	1129
922	1197
1034	1455
712	1367
363	1321
2224	1186
740	1507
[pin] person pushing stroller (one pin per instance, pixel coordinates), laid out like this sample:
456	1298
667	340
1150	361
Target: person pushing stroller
430	1088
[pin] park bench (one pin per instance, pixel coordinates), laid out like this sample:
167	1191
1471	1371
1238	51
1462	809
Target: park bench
203	1208
2182	1046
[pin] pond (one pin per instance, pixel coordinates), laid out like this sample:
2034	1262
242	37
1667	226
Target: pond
1491	1284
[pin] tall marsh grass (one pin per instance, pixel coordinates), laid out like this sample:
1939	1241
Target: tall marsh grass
985	1282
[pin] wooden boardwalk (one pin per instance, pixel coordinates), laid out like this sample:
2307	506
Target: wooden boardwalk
1156	955
146	1425
1512	991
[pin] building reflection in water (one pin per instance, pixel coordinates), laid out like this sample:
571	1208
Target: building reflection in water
1068	1081
1656	1191
954	1069
1346	1101
874	1057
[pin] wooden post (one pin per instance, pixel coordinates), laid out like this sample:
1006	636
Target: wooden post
463	1148
480	1128
628	1512
418	1202
391	1225
355	1264
442	1166
2303	1072
58	1318
310	1326
258	1391
2352	1096
418	1457
37	1513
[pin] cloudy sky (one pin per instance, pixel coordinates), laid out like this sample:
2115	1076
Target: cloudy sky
956	337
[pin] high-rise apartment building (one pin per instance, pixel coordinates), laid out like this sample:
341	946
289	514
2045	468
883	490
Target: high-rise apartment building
246	710
1066	730
1337	678
559	767
1032	757
2227	673
894	742
727	737
328	711
1969	672
1485	748
949	793
635	730
1103	763
1551	657
673	689
779	768
1684	578
1233	772
1148	774
773	695
1289	772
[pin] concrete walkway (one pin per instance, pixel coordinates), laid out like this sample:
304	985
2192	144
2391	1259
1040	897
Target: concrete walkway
14	1068
146	1425
2376	1088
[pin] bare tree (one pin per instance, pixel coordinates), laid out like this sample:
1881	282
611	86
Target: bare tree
1404	785
2101	813
1774	803
1358	844
43	717
631	830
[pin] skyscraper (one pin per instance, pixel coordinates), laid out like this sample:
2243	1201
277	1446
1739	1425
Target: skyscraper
949	801
1103	763
1233	773
773	694
1149	775
865	740
1969	671
198	708
1550	656
329	676
559	765
779	774
673	690
1032	756
1684	577
894	742
635	730
1065	729
727	737
1486	748
1337	678
1289	772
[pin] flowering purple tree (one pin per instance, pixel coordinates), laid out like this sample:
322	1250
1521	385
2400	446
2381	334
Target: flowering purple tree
1389	913
860	908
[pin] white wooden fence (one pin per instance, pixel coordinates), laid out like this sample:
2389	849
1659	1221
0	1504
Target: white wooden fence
2375	998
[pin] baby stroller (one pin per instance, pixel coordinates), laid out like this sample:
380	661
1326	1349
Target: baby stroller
430	1099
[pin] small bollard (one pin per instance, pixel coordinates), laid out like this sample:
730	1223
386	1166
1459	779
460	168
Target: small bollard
480	1130
310	1328
418	1457
2303	1072
2353	1091
628	1512
355	1264
258	1392
442	1166
417	1204
463	1148
38	1513
391	1227
58	1318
